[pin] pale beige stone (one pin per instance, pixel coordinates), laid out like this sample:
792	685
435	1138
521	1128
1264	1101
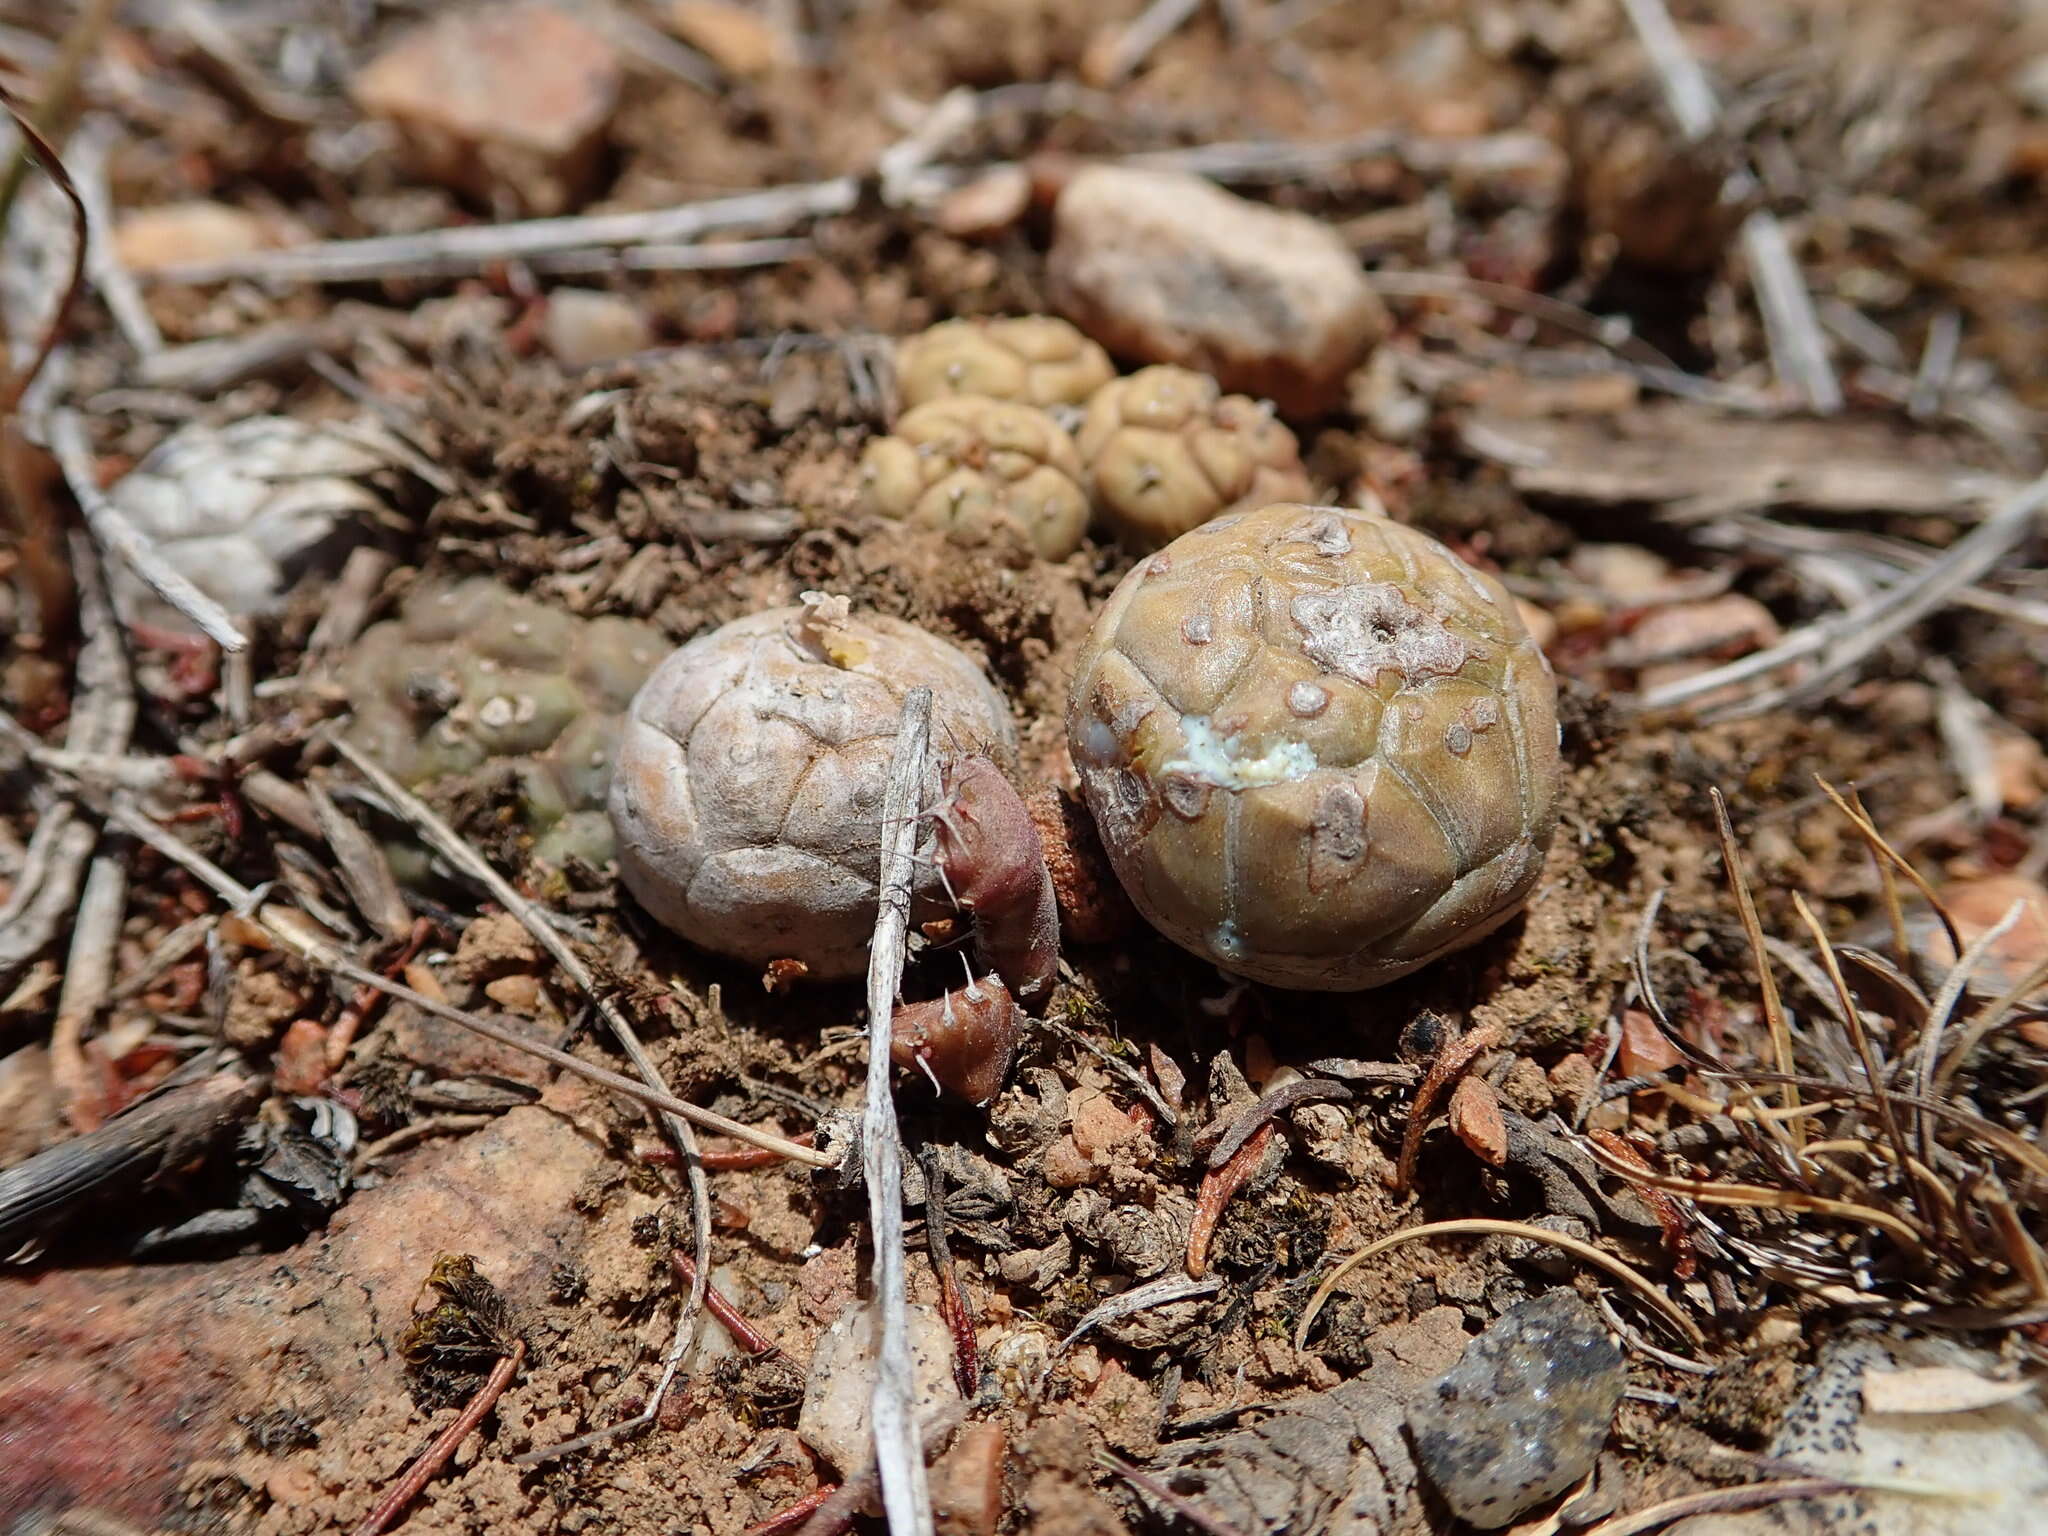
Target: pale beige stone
1162	267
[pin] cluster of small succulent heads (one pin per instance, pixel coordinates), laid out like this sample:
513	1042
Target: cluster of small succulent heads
1307	744
1317	748
1022	428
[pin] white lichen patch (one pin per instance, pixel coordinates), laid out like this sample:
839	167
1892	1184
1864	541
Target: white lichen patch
1214	760
1367	628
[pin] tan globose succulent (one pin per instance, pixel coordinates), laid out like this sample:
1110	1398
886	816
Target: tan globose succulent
1033	360
1166	450
970	465
748	793
1321	749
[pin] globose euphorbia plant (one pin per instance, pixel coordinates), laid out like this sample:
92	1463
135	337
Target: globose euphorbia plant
747	800
1321	749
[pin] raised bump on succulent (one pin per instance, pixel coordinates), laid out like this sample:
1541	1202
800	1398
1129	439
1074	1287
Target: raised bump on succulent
992	862
963	1041
969	466
1032	359
1167	450
1356	772
474	674
748	788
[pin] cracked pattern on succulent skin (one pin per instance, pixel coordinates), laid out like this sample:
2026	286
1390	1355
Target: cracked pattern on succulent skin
750	778
1321	749
1167	450
971	466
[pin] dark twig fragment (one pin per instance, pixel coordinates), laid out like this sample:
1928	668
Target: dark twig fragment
1219	1187
1454	1057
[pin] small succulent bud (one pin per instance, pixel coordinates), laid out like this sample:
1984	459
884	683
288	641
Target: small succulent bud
1167	450
476	674
963	1041
971	466
993	863
1033	360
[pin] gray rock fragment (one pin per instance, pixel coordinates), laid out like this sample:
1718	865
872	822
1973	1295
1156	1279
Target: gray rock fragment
1331	1463
1523	1415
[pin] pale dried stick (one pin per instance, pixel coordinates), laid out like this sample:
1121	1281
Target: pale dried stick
1720	1501
467	248
88	978
90	147
102	718
1142	1298
299	935
1798	348
115	533
1848	637
103	721
47	887
1155	24
899	1455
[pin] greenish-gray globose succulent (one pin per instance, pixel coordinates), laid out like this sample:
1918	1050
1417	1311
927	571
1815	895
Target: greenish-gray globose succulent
476	674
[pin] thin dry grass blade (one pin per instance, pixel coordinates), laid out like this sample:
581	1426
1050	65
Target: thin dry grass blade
1712	1192
1853	1017
1774	1009
1888	879
1885	853
2004	1011
1485	1226
2018	1148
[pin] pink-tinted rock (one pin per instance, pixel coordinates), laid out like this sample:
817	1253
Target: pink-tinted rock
115	1381
508	103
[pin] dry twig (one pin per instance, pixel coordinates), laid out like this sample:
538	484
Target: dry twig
1798	348
898	1454
438	1455
121	538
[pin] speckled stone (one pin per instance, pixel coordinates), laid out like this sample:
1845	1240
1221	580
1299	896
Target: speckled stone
1523	1415
1990	1463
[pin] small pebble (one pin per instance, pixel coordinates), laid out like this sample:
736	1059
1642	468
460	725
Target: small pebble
834	1418
150	239
584	326
1523	1415
1163	267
